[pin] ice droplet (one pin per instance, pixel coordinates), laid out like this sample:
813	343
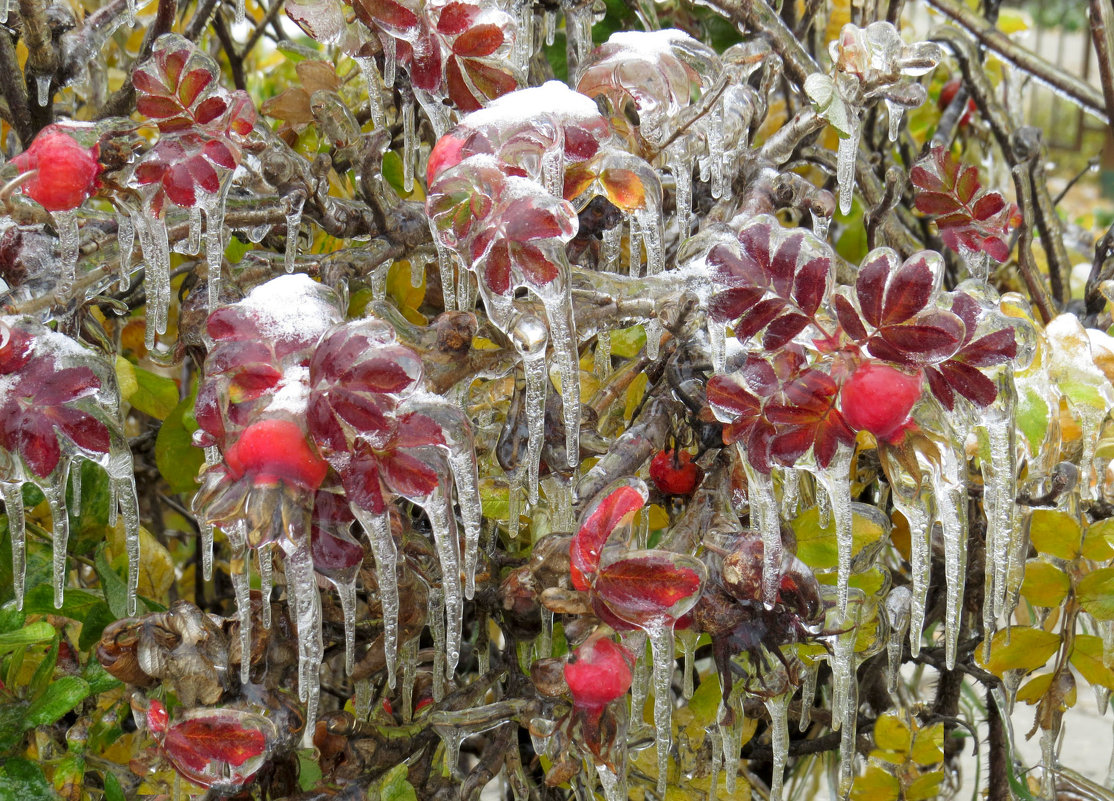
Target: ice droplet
66	222
898	605
4	11
378	531
778	707
42	86
845	166
764	517
306	605
896	114
294	205
731	735
820	225
661	649
549	26
17	528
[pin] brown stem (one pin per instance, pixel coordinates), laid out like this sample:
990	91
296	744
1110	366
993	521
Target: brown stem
1027	61
1102	34
757	16
257	32
41	59
1030	273
15	90
895	183
235	60
997	754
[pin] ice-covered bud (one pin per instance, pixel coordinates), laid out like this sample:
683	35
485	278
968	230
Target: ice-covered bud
675	473
66	172
276	450
598	672
878	398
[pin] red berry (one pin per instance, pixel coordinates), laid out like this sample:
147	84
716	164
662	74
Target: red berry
948	93
446	153
276	450
878	398
67	172
598	672
674	473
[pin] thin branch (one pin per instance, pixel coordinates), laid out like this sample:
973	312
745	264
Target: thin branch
1025	60
15	90
757	16
41	59
1102	34
122	101
895	184
272	14
1025	261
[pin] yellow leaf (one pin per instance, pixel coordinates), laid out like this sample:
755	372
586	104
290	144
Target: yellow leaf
406	296
925	786
1086	657
156	566
1035	689
1045	584
1019	648
1055	533
891	733
928	745
876	785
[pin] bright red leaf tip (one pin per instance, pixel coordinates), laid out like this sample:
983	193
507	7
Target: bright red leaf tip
276	450
157	718
598	672
674	472
67	172
615	508
878	398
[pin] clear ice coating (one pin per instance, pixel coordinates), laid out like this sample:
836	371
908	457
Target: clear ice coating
306	609
664	661
949	486
778	707
764	517
68	245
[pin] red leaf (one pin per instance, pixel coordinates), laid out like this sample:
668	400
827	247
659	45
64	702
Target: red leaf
538	269
870	285
456	18
407	476
482	40
614	509
731	304
998	347
361	482
940	388
988	205
210	109
925	179
811	284
937	203
969	382
790	445
197	742
782	330
418	430
967	185
849	318
193	85
36	440
158	107
389	370
784	264
932	342
85	430
365	413
761	315
650	586
909	290
728	392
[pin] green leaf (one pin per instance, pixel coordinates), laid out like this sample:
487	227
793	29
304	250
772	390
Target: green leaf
1045	584
393	172
175	455
11	618
93	626
309	770
1095	593
112	789
75	603
627	342
62	696
1098	542
29	635
23	779
99	679
148	392
1055	533
495	499
115	588
45	671
1032	417
556	57
1086	657
395	786
1019	648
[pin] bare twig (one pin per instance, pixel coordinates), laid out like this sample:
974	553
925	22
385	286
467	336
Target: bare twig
758	16
1102	34
1025	262
123	99
895	183
1089	98
42	62
15	90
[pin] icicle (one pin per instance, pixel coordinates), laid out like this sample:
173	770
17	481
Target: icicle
445	263
17	528
635	641
439	509
435	111
125	236
56	497
523	11
306	607
562	333
4	11
717	341
452	738
130	11
999	491
266	582
66	222
409	144
435	616
206	549
462	463
612	247
379	281
845	166
898	604
361	702
75	487
896	114
836	480
764	517
241	12
921	565
688	639
241	589
612	787
125	500
294	205
778	707
790	492
378	531
716	746
390	60
408	668
374	93
549	26
680	165
1048	763
578	34
820	225
845	701
193	240
543	644
214	245
156	256
530	337
558	495
347	594
808	694
602	359
721	187
514	503
42	85
466	289
732	738
661	648
951	495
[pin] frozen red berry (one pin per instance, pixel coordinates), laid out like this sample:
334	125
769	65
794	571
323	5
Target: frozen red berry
271	451
598	672
878	398
674	472
66	172
948	93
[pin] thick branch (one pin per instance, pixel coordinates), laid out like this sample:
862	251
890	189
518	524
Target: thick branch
758	16
993	39
1102	34
15	90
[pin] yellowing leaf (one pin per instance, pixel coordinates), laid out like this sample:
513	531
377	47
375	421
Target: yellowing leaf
876	785
1098	542
1045	584
816	546
1095	593
406	296
928	745
1055	533
156	565
1035	689
925	786
892	738
1086	657
1019	648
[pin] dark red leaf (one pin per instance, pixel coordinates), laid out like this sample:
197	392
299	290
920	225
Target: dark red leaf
417	430
482	40
791	444
365	413
390	370
538	269
178	183
758	317
157	107
490	80
937	203
909	290
525	221
783	266
730	304
456	18
407	476
932	342
323	426
782	330
210	109
998	347
425	64
870	286
36	440
988	205
969	382
940	388
647	586
849	318
85	430
392	14
728	392
811	284
361	483
755	241
925	179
